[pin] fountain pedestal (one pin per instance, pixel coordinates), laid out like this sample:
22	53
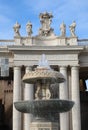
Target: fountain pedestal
44	125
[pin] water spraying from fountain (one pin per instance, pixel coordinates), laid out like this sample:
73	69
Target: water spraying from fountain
43	62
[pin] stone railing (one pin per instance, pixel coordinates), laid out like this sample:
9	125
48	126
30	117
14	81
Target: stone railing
83	42
6	42
12	42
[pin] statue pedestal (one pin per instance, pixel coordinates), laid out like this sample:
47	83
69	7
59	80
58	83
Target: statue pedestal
44	125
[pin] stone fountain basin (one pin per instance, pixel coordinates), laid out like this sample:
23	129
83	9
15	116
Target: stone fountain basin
43	74
43	107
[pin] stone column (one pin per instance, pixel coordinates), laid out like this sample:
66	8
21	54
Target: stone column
28	95
69	91
17	97
63	94
76	120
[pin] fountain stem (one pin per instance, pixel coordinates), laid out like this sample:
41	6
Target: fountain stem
42	91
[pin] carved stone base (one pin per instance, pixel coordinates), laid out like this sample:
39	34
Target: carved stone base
44	126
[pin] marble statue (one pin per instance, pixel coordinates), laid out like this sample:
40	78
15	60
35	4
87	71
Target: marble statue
45	19
48	93
38	93
72	29
16	28
29	28
63	29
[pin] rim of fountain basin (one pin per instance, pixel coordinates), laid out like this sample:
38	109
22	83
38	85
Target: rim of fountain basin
43	107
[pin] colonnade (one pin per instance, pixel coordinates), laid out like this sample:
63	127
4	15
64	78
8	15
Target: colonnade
72	85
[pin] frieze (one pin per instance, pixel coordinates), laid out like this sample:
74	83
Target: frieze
62	59
59	63
51	57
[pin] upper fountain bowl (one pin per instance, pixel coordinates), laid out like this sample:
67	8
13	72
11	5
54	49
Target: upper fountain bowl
43	73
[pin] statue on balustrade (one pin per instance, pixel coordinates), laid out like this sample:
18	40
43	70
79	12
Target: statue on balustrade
29	28
63	29
16	28
72	29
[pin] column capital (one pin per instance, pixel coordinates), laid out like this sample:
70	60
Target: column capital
75	67
64	67
28	68
17	67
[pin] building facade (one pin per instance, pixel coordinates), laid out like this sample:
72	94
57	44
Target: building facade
69	55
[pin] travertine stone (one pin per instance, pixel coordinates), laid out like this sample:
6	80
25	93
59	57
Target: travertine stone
43	73
46	34
44	125
76	120
45	19
51	40
28	95
16	97
60	56
63	94
63	29
16	29
72	29
29	28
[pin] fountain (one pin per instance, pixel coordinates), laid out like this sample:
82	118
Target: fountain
44	108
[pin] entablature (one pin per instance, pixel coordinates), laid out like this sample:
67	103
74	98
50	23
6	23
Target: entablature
56	55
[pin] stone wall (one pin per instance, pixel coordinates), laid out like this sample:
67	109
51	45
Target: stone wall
6	95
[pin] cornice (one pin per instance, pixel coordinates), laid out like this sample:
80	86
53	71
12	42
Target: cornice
57	48
4	50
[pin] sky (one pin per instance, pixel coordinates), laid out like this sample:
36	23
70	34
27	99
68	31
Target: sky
22	11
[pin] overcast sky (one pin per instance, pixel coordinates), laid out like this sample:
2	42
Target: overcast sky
29	10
